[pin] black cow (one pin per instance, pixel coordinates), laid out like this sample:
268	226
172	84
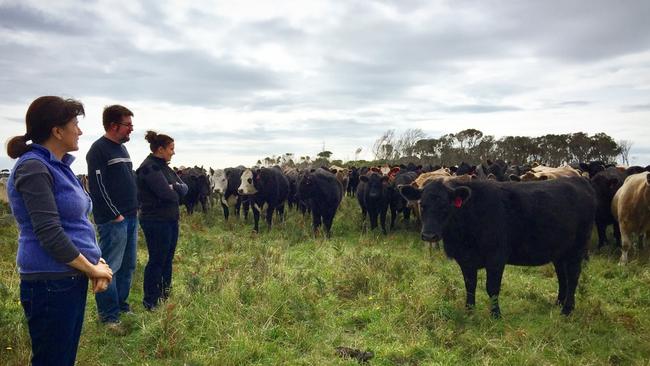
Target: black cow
486	224
353	181
373	197
198	186
606	183
265	185
323	192
398	204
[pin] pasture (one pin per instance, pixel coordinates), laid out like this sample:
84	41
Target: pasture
286	298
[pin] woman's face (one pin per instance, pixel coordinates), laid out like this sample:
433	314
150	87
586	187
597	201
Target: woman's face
69	134
166	152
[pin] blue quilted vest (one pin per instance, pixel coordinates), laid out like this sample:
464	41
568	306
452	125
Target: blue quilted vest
73	205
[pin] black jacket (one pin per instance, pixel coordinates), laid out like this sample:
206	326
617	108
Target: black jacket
157	200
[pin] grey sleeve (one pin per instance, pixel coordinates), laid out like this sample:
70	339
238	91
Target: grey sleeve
34	183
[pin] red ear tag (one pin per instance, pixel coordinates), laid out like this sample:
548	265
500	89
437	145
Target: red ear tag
458	202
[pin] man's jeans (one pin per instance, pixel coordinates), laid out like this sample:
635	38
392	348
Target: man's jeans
117	240
55	313
161	237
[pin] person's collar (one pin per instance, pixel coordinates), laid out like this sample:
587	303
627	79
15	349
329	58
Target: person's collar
45	152
158	158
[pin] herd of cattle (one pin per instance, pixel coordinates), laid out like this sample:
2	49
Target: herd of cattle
487	215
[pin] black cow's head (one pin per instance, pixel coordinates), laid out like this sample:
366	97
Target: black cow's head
437	202
377	184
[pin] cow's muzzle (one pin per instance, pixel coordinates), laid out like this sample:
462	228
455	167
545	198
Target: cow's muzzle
430	237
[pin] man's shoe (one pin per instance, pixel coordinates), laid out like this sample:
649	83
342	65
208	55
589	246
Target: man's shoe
116	328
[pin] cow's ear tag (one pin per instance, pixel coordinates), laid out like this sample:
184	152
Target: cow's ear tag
458	202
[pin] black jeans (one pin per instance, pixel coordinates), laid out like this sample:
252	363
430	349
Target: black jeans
55	313
161	237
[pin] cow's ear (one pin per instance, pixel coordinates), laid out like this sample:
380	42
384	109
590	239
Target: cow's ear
211	171
461	195
364	178
543	177
515	178
584	167
409	192
492	177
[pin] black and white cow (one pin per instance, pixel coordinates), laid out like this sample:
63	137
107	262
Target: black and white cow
486	224
226	182
265	186
323	192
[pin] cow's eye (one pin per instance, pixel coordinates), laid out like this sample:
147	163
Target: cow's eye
250	181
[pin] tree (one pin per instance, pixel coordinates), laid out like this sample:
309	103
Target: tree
625	146
379	149
324	155
356	153
406	143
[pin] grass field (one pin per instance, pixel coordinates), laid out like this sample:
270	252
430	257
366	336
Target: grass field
285	298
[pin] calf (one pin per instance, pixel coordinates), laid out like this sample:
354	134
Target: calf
373	197
198	186
487	224
265	185
631	208
323	192
398	204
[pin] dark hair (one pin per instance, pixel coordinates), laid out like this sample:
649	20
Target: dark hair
157	140
114	114
42	115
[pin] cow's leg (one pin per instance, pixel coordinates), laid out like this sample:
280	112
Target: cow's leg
226	211
382	220
393	217
247	206
269	216
237	207
562	280
617	234
602	234
327	220
626	244
280	210
256	218
316	220
573	268
373	219
407	214
494	273
469	276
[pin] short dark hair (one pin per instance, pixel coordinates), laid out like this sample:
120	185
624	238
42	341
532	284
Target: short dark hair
114	114
157	140
43	114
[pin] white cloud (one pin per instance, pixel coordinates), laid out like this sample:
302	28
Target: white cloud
235	81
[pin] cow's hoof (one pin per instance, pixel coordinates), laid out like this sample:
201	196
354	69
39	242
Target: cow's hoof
496	313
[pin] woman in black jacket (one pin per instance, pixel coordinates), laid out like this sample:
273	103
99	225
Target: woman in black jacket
159	190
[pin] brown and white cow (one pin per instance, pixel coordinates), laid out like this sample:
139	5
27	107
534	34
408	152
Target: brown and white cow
631	208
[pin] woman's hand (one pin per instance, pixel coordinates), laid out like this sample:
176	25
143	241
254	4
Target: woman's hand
100	285
101	270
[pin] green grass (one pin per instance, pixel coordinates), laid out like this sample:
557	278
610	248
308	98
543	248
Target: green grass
286	298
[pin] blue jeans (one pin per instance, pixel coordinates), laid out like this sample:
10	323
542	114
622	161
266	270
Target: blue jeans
55	313
161	237
118	242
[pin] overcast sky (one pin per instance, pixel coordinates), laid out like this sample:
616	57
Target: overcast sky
236	81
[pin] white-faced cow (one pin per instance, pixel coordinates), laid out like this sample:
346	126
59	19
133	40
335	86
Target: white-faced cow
265	186
487	224
631	208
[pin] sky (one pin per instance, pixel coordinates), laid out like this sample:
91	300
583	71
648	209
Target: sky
236	81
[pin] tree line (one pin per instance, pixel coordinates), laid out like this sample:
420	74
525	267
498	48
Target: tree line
474	147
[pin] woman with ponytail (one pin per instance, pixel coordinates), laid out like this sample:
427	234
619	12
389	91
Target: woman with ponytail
57	249
159	192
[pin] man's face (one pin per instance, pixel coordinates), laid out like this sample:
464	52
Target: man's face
124	129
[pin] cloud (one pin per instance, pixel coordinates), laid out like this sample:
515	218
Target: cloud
636	108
